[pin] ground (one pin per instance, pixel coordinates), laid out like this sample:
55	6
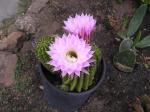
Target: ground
117	91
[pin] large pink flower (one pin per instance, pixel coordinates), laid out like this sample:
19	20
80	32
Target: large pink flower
70	54
81	25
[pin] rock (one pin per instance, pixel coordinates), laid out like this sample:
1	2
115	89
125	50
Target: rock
7	67
37	6
47	29
27	46
13	42
2	34
27	23
12	28
41	87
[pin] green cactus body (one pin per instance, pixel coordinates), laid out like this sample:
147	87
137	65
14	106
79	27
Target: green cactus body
92	74
80	82
86	82
41	48
73	84
66	80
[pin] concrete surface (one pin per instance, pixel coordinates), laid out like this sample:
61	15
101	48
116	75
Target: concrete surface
8	8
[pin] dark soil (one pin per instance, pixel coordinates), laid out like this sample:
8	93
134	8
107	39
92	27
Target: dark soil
117	91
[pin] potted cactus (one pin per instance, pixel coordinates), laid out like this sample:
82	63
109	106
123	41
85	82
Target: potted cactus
71	66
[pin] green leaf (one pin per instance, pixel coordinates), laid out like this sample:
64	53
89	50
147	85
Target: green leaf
122	35
125	22
126	44
137	39
136	20
125	61
145	42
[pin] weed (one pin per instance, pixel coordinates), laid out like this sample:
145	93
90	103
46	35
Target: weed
22	77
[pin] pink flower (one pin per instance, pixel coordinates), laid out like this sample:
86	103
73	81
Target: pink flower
70	54
81	25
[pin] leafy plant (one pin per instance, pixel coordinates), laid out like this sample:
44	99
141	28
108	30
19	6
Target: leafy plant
125	59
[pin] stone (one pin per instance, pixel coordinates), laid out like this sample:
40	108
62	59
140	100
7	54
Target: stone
37	6
27	46
13	42
12	28
41	87
8	8
27	23
7	67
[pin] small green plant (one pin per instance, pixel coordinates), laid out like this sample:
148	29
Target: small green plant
132	41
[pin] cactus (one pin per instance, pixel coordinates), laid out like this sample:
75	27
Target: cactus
41	48
69	83
84	81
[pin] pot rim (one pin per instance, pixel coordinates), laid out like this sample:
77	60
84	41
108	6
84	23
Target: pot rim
76	93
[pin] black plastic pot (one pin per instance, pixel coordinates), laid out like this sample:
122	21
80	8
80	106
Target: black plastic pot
67	101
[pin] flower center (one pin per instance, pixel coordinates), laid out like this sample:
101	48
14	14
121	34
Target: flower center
71	56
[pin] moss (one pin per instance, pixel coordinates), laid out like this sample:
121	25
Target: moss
22	80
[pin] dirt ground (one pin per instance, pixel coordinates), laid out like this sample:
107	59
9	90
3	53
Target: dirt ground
117	91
